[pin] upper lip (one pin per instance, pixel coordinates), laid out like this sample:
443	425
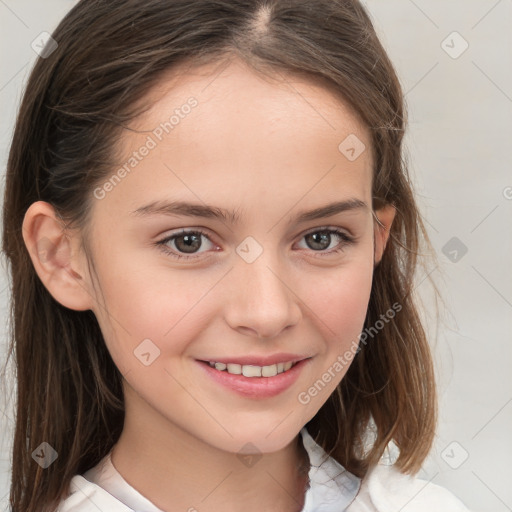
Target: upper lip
259	360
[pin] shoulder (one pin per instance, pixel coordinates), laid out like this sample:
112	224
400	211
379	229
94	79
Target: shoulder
385	489
85	496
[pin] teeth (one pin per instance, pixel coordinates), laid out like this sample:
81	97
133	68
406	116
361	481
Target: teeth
249	370
269	371
235	369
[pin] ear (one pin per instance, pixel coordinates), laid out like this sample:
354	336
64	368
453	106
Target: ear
384	217
55	257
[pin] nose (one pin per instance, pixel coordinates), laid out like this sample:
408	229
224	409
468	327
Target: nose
262	302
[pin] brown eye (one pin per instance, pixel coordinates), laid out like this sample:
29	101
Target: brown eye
179	245
318	241
321	239
188	243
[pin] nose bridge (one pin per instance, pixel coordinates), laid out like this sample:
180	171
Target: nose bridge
261	299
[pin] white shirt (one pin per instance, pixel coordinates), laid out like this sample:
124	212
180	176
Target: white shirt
331	489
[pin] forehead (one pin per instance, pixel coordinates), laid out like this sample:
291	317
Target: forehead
231	86
244	132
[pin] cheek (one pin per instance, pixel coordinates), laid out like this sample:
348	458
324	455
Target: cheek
339	301
339	304
147	302
338	309
342	301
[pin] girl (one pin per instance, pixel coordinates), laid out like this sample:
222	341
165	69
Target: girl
212	240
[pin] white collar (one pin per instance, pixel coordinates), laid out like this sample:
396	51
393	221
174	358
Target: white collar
331	487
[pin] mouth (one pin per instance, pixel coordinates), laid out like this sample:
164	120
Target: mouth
245	377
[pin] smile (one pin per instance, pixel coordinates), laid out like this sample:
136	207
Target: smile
272	376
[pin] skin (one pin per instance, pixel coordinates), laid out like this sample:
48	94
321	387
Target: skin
268	158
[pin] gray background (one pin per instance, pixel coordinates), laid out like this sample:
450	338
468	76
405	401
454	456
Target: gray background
460	119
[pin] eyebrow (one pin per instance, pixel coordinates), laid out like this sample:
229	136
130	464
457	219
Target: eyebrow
182	208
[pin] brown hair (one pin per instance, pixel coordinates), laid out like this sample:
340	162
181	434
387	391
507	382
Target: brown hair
77	102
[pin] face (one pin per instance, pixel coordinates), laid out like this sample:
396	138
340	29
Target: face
253	275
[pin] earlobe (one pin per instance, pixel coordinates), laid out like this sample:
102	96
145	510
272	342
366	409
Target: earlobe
382	226
54	258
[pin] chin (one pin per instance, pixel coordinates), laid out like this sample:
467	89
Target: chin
266	438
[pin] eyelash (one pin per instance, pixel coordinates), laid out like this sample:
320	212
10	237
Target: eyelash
345	240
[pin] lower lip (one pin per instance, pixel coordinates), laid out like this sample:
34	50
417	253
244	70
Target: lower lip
256	387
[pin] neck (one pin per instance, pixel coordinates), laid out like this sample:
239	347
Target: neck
177	471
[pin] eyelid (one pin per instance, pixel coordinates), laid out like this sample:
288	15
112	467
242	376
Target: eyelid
162	243
346	238
346	232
